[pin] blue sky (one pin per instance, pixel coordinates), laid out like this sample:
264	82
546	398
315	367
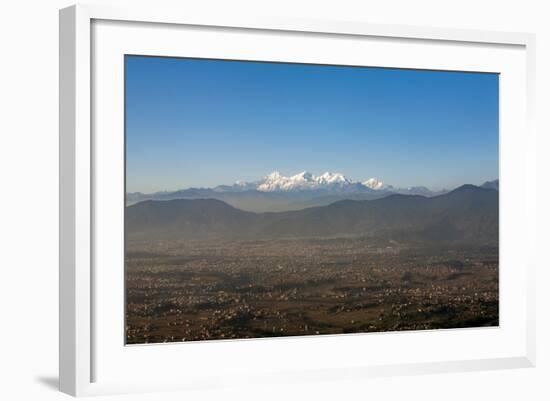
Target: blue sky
200	123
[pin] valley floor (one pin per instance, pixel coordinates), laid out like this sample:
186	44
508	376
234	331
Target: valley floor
186	291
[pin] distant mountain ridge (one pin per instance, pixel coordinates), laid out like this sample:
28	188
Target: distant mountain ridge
491	184
468	213
277	192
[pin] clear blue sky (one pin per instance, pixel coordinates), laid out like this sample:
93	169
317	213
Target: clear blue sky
200	123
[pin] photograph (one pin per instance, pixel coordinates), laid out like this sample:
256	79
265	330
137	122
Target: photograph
273	199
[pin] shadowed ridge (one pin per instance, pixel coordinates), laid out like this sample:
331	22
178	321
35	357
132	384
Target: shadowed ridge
468	212
180	218
466	189
154	202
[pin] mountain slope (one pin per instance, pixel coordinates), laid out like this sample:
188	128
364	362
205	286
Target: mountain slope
184	218
467	213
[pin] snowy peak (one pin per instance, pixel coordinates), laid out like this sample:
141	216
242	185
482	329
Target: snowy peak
278	182
302	181
374	183
333	178
328	181
273	176
304	175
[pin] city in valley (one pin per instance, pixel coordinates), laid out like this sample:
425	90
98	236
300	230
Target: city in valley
188	290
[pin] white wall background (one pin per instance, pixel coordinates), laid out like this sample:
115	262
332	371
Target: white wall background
29	196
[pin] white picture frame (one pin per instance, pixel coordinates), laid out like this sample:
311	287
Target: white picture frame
80	210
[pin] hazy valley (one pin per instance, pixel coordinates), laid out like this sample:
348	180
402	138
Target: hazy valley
201	269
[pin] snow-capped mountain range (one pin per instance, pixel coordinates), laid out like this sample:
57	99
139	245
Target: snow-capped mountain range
277	182
302	181
277	192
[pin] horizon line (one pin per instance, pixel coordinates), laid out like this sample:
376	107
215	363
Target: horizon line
391	187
